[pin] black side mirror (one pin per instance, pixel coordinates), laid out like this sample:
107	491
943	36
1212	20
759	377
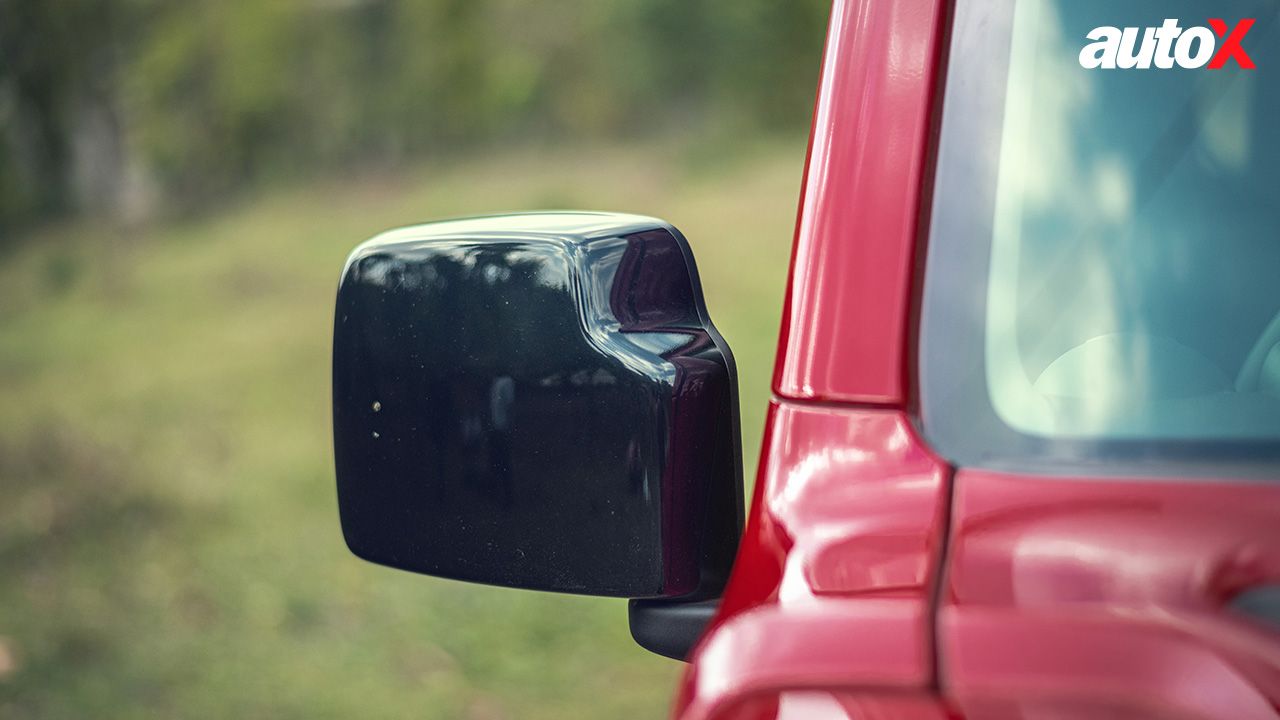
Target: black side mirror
538	401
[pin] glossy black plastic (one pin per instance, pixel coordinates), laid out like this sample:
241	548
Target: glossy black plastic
537	401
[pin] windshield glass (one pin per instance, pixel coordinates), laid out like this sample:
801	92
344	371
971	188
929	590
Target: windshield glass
1104	261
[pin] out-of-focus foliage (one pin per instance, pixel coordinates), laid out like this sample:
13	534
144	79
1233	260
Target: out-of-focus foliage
55	63
126	106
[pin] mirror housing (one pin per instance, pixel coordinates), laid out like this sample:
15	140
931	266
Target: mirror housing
537	401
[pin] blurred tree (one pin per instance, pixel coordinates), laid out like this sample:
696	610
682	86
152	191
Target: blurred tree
205	96
60	129
768	66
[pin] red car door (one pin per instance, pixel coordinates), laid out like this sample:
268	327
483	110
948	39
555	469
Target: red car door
1099	360
1024	455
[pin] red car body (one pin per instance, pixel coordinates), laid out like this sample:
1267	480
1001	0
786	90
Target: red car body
875	580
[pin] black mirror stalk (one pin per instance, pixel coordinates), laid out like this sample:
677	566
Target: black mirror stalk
670	627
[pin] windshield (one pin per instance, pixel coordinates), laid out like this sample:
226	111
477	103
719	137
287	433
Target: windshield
1104	260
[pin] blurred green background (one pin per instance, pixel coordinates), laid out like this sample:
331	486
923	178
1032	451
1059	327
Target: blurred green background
180	183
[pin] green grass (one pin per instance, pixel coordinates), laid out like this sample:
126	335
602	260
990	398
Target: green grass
169	543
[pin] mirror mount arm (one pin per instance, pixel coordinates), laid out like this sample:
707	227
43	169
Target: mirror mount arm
670	627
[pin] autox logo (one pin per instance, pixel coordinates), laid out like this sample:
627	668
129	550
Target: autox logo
1168	45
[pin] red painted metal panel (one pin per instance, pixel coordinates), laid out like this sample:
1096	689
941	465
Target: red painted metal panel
849	503
845	321
869	644
835	575
1106	598
837	705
